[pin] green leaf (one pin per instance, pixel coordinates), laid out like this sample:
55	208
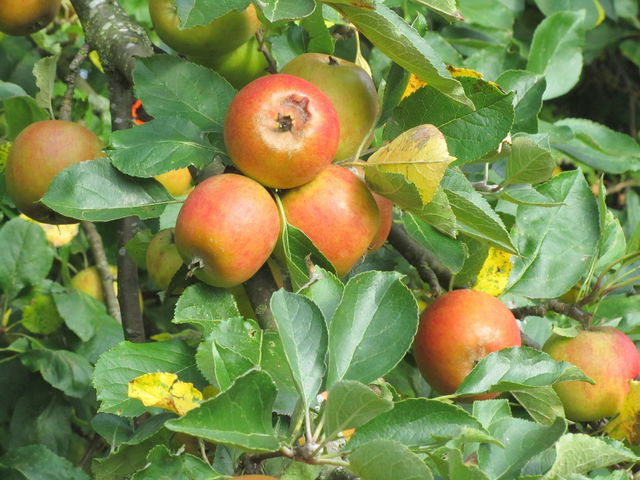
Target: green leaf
556	51
541	403
402	44
160	83
580	453
117	367
239	417
614	242
160	146
350	405
20	112
447	8
415	422
452	253
97	192
451	464
475	216
599	146
528	162
528	88
631	50
276	10
37	462
363	343
45	71
555	243
64	370
303	332
522	440
517	367
203	305
388	460
25	256
41	316
8	90
490	411
325	292
274	361
487	13
320	38
438	213
394	186
164	465
470	134
527	195
81	313
193	13
593	10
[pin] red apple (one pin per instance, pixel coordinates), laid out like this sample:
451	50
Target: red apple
350	89
605	355
24	17
457	331
227	229
39	153
386	220
222	35
281	130
337	212
163	259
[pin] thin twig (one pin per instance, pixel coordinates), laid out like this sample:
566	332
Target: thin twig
259	288
74	66
273	67
567	309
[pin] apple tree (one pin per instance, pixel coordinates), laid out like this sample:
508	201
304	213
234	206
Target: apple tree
492	146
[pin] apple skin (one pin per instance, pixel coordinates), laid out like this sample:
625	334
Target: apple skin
88	281
337	212
605	355
177	182
230	225
281	131
39	153
350	89
222	35
24	17
386	220
163	259
458	330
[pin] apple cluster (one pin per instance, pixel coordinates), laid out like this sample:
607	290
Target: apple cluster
283	133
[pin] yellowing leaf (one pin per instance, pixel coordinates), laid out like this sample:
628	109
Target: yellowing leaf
360	60
601	13
164	390
419	154
463	72
57	235
94	56
4	153
413	86
626	426
494	274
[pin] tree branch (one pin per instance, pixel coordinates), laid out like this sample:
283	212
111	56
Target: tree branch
259	288
74	66
567	309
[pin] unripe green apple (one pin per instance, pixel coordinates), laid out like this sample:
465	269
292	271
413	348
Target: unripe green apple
163	259
88	281
337	212
386	219
350	89
222	35
240	66
458	330
39	153
177	182
227	229
608	357
24	17
281	130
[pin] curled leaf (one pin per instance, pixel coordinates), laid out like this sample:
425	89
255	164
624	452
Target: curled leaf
164	390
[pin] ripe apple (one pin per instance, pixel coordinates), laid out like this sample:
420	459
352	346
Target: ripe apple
226	229
457	331
240	66
608	357
222	35
281	130
337	212
350	89
24	17
177	182
163	259
39	153
386	219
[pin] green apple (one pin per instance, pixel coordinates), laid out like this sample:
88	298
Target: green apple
163	259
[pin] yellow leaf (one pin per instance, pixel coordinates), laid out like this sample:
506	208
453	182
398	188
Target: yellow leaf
94	56
413	86
601	12
463	72
57	235
4	153
419	154
626	426
164	390
494	274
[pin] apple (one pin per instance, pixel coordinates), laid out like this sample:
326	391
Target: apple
608	357
222	35
240	66
350	89
39	153
458	330
281	131
337	212
163	259
226	229
386	220
88	281
24	17
177	182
